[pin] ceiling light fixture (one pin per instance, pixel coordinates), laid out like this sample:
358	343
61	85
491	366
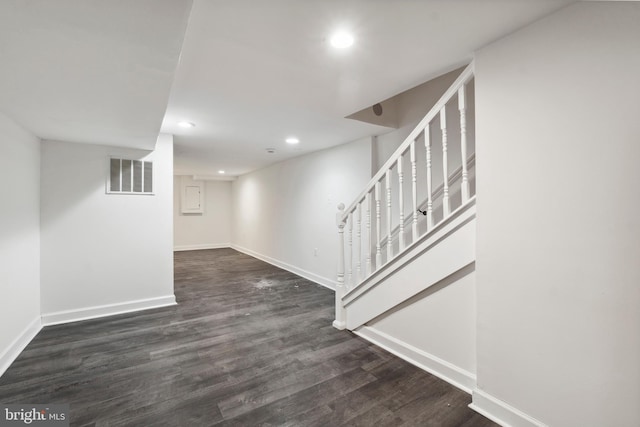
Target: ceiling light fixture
292	140
186	124
221	172
341	40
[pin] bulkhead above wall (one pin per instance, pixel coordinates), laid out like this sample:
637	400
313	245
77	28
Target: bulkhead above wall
408	106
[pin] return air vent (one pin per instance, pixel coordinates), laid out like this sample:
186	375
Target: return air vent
128	176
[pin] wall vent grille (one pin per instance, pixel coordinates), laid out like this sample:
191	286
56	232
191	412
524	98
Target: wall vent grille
127	176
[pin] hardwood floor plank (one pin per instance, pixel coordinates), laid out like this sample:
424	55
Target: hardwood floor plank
248	344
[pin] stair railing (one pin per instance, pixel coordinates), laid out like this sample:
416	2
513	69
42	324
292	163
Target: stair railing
372	245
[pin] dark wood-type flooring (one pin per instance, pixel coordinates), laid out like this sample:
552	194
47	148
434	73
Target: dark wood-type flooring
248	345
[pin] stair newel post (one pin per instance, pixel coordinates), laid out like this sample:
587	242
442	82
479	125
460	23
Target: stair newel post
389	241
358	214
462	106
378	226
414	192
401	203
446	208
368	245
427	146
340	321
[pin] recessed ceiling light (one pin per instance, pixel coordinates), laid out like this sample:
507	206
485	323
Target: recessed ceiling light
341	40
185	124
221	172
292	140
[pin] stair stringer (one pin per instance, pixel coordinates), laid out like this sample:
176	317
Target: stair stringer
443	251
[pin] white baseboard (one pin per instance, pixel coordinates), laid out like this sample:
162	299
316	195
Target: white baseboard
106	310
327	283
178	248
19	344
339	325
500	412
458	377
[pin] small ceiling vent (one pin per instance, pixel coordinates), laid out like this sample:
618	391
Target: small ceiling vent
377	109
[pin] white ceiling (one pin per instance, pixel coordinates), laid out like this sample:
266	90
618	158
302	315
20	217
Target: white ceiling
251	72
90	71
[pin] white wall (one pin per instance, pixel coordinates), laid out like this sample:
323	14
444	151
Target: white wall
103	253
285	211
558	231
442	322
437	329
210	229
19	239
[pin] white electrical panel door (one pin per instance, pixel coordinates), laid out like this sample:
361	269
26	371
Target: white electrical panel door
192	197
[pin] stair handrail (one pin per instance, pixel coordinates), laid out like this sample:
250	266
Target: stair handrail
462	79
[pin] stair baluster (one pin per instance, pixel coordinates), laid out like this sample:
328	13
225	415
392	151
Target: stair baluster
427	146
389	229
350	251
462	106
414	193
359	242
378	226
401	242
368	245
446	207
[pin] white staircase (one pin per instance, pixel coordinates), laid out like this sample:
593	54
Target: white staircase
413	226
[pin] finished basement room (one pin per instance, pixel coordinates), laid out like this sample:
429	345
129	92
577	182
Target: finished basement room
319	213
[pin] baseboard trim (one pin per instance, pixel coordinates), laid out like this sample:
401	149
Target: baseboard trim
339	325
327	283
106	310
179	248
458	377
501	412
19	344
